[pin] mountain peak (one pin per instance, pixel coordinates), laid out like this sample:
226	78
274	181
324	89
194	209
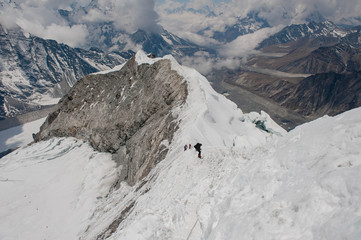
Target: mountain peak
146	102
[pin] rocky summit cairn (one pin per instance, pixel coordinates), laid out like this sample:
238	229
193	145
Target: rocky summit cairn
127	113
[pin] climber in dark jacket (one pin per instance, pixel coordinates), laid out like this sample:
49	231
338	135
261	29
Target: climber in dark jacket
198	148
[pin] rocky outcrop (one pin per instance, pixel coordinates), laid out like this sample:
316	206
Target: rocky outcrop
127	113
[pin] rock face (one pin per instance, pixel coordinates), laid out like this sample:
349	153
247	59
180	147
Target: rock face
127	113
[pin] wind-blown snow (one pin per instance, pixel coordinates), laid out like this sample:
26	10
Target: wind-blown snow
249	184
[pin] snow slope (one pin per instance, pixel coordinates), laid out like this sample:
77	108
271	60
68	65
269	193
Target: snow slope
249	184
50	189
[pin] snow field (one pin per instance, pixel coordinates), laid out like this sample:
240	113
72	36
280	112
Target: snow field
50	189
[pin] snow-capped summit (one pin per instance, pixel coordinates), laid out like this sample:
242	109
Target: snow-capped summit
145	104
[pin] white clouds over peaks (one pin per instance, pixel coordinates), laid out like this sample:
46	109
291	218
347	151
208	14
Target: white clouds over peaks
184	18
40	19
244	45
128	15
193	16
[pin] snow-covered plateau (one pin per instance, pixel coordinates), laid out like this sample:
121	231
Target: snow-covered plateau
249	183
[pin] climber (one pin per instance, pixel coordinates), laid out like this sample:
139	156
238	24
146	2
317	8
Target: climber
198	149
185	147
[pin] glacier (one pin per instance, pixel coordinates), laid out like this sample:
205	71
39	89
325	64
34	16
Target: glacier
249	184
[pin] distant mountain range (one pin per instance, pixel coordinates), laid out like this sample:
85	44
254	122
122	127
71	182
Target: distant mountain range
35	71
309	69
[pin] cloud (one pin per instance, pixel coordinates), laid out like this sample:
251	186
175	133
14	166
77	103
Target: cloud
195	20
72	35
127	15
196	15
244	45
206	63
39	19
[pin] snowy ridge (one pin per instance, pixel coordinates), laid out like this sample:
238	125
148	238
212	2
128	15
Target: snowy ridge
208	118
264	187
249	183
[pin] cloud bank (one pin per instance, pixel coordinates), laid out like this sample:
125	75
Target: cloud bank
41	17
186	19
198	20
127	15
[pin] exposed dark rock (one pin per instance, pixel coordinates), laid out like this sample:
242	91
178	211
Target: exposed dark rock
127	113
